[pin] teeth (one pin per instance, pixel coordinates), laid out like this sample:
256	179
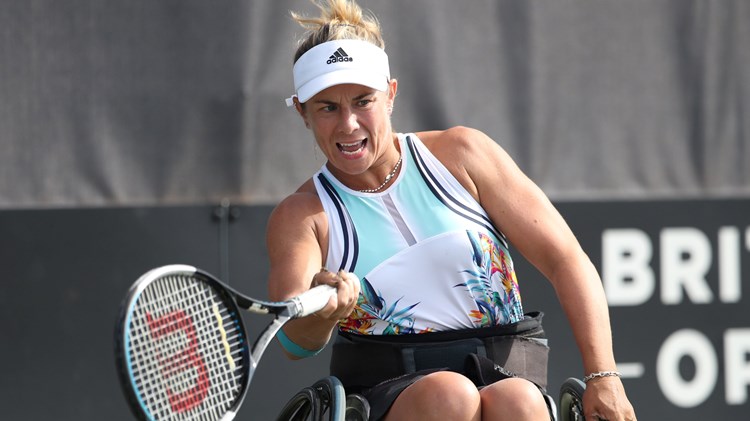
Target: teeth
352	148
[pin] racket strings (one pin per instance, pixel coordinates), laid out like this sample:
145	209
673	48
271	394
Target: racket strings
179	358
208	365
154	373
225	385
215	403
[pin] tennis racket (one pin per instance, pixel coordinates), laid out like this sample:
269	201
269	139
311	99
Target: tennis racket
181	347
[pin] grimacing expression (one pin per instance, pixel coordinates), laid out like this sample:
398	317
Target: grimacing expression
351	124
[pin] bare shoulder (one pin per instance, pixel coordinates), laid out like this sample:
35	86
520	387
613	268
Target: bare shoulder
299	210
460	146
298	221
296	237
462	150
454	137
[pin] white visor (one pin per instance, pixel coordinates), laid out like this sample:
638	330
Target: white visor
338	62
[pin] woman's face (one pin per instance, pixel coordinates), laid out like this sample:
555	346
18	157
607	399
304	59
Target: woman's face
352	126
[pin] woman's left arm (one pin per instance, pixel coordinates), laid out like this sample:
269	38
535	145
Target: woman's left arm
520	209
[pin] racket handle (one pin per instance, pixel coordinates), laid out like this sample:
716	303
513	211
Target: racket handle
313	299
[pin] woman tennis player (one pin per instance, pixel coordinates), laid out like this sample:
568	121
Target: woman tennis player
414	229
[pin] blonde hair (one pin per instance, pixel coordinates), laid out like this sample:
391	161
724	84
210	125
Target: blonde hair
339	19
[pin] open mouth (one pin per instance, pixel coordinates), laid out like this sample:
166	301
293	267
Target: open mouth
353	147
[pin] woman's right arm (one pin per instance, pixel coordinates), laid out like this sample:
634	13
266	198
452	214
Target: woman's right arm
297	230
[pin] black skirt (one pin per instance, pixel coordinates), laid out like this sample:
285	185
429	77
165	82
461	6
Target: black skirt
380	367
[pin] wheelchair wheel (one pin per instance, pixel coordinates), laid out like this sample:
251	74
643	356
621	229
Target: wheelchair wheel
357	408
571	400
301	406
325	397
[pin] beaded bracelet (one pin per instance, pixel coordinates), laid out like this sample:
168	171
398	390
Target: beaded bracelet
601	374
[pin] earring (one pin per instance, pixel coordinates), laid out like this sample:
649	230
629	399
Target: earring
316	151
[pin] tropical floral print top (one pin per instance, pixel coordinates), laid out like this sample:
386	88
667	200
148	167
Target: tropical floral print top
427	255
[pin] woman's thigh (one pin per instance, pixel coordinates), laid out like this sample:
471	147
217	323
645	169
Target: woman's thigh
443	395
513	399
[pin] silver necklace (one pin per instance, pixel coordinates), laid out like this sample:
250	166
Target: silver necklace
387	178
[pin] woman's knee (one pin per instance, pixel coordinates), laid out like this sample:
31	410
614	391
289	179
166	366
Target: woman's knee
513	399
441	396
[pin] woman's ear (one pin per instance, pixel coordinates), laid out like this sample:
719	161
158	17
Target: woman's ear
392	90
301	111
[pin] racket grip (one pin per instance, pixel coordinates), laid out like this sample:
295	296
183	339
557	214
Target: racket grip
313	299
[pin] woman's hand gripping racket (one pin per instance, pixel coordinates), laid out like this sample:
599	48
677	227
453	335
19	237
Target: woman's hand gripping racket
181	348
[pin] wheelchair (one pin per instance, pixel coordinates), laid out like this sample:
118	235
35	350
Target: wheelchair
327	400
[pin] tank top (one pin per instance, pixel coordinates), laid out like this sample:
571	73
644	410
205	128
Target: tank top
427	255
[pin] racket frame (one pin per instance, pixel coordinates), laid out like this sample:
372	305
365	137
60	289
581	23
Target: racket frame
300	306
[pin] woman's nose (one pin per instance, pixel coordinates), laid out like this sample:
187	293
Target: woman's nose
348	122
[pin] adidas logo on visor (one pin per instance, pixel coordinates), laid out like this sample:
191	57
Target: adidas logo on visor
339	56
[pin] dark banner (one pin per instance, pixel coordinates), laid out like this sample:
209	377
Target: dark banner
676	275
